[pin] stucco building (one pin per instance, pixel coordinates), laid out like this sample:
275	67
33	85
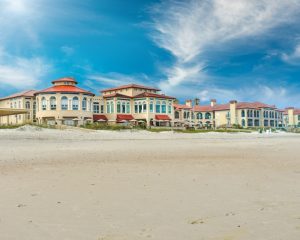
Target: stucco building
135	104
245	114
18	103
292	117
64	103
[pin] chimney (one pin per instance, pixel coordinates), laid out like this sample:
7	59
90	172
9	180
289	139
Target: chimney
213	102
189	103
197	101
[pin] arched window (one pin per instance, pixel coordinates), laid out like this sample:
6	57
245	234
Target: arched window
27	105
199	116
75	103
157	106
64	103
164	107
267	114
96	107
84	104
243	113
53	103
144	106
170	108
44	104
207	116
151	106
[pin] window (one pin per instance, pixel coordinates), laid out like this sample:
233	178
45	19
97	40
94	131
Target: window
44	104
298	117
136	108
157	107
243	122
170	108
144	106
27	105
207	116
118	107
102	108
257	114
110	106
75	103
151	106
96	108
128	107
243	113
199	116
177	115
163	107
53	103
64	103
84	104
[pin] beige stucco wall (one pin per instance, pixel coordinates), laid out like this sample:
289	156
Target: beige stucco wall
17	103
45	115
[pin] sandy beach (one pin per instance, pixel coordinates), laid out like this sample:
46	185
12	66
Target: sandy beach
104	185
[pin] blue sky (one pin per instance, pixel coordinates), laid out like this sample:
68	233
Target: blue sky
223	49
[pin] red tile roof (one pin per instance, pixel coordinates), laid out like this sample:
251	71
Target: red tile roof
28	93
162	117
130	86
64	89
116	95
240	105
65	79
97	117
154	95
181	106
124	117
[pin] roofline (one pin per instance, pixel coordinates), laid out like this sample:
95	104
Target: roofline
129	86
16	95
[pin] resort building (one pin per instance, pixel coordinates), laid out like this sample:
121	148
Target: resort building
19	108
244	114
134	104
64	103
292	117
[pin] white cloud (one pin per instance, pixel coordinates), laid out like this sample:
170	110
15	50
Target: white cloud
292	58
21	72
189	29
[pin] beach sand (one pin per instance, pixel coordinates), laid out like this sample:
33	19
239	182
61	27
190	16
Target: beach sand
102	185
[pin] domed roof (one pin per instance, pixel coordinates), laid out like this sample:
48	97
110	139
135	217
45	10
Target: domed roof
65	79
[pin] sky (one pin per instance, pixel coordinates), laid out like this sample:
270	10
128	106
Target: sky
228	50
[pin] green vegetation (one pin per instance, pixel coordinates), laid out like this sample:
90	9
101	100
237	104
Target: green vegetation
225	130
159	130
97	126
10	126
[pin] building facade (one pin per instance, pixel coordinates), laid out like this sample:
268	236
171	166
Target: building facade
134	104
19	101
244	114
292	117
65	103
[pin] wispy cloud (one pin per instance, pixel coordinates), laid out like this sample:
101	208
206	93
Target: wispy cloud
112	79
189	30
292	58
22	73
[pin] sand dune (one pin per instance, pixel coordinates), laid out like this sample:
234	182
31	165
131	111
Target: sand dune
139	185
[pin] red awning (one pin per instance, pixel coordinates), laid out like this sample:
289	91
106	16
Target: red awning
124	117
162	117
100	117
